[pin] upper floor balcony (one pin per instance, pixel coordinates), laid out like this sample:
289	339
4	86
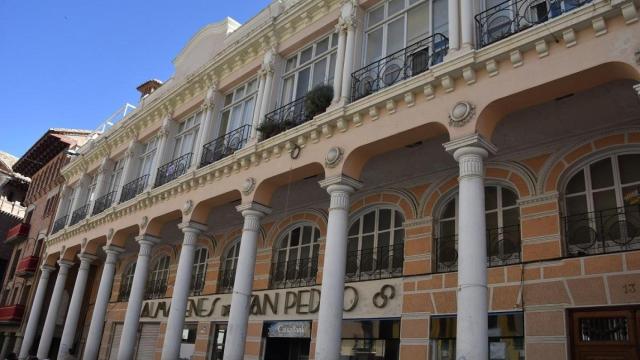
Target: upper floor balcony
225	145
59	224
27	266
173	169
133	188
11	313
18	232
80	213
104	202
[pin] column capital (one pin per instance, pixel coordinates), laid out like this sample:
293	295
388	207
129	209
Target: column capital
86	260
340	182
146	242
254	209
65	265
476	141
191	231
48	269
112	253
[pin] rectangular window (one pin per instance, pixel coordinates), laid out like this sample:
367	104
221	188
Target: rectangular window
370	339
116	174
238	107
147	155
187	135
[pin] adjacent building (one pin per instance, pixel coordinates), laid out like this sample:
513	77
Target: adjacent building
397	179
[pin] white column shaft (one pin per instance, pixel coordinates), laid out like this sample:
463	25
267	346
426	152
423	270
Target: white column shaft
256	114
266	97
134	306
75	306
77	196
348	63
92	347
158	159
472	328
335	259
466	22
175	324
54	308
5	345
127	170
454	24
36	309
337	77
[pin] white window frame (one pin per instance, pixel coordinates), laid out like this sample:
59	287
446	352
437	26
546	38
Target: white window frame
147	156
230	262
240	95
284	250
200	260
189	127
116	175
160	270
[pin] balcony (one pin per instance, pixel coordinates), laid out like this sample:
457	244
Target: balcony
294	273
173	169
503	248
133	188
18	232
11	313
511	17
284	118
403	64
602	232
156	289
225	145
59	224
375	263
103	203
27	266
79	214
227	279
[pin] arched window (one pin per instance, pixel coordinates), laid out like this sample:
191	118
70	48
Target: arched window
502	216
229	264
375	248
127	282
601	206
199	272
157	282
296	258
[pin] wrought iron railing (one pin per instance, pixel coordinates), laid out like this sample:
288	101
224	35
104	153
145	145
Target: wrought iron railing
602	231
403	64
375	263
80	213
227	279
294	273
156	289
59	224
513	16
286	117
225	145
503	248
103	203
197	284
133	188
173	169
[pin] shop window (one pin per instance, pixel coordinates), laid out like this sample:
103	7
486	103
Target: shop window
296	258
506	336
370	339
602	206
502	216
199	272
218	337
127	282
157	282
375	248
229	264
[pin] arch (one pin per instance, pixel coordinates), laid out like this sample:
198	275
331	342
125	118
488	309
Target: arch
265	189
71	252
92	246
122	236
201	209
401	199
494	112
315	217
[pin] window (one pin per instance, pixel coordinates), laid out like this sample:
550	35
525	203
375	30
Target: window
91	190
228	274
601	205
14	264
116	174
127	282
219	335
502	216
314	65
147	155
199	272
375	248
238	107
157	282
370	339
188	341
296	260
49	207
187	135
506	336
395	24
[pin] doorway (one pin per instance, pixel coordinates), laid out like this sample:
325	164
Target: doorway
610	333
287	349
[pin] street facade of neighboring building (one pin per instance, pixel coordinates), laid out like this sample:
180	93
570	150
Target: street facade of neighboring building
397	179
41	164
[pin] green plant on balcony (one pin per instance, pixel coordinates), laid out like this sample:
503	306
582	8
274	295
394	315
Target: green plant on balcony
318	100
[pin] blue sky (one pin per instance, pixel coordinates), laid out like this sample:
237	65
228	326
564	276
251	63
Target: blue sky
71	63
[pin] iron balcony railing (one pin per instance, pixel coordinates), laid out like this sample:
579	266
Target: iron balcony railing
227	279
59	224
294	273
375	263
286	117
513	16
133	188
197	284
403	64
602	231
503	248
103	203
80	213
173	169
225	145
156	289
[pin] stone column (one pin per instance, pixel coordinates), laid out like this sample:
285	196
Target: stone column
127	169
337	75
241	298
466	24
472	328
75	305
333	270
78	194
92	347
134	306
454	25
54	308
345	93
36	308
161	149
175	323
256	114
266	92
206	125
102	181
5	345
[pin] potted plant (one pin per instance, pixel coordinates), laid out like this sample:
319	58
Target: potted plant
318	100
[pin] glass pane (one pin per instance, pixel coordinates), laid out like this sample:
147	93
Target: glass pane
447	228
248	112
319	71
228	99
322	46
629	168
612	329
374	45
384	219
603	200
238	94
398	219
398	236
440	17
369	222
334	40
490	198
332	68
576	184
449	210
631	195
376	15
511	217
252	86
355	228
509	198
287	90
306	235
417	23
236	117
303	83
601	174
306	55
395	36
395	6
492	220
291	64
295	237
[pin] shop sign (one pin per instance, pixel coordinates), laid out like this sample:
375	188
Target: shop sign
289	329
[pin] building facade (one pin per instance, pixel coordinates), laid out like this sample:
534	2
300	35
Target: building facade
42	164
390	179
